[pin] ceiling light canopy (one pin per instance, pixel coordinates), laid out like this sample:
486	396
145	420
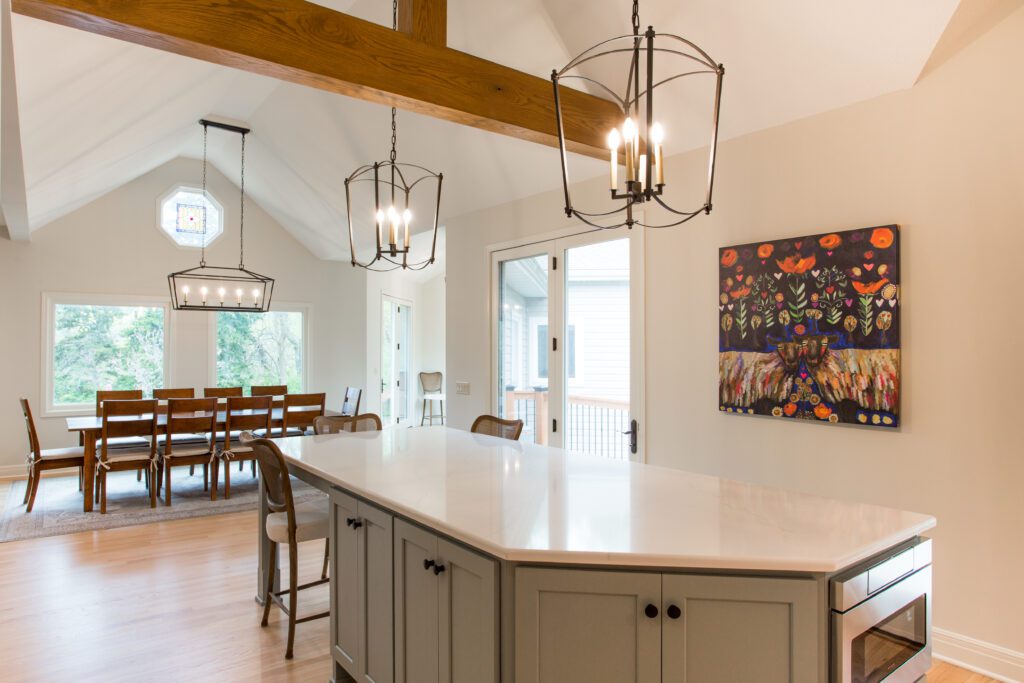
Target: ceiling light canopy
654	61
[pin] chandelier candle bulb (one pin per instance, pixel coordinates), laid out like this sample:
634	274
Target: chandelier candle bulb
238	295
255	297
184	291
657	136
628	137
643	171
407	219
221	292
613	145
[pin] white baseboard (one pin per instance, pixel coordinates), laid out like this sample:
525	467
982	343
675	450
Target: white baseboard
991	660
10	472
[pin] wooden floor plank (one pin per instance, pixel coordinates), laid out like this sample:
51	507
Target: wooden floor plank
171	601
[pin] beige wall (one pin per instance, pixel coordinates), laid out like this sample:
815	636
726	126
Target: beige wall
946	161
113	246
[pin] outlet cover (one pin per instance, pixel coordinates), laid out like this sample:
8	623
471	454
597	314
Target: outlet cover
462	388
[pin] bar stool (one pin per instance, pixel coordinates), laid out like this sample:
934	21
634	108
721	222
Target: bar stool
431	383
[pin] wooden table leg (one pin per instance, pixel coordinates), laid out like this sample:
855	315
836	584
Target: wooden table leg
89	468
265	549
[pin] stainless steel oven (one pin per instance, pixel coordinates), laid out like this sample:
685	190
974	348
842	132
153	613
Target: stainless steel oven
881	617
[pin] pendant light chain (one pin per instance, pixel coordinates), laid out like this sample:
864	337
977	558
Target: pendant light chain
636	17
394	111
241	219
206	201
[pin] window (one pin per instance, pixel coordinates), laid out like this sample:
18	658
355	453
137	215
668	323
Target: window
187	217
261	348
95	343
542	351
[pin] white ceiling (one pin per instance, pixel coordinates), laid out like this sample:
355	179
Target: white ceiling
97	113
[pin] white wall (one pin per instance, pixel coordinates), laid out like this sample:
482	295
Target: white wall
113	246
945	160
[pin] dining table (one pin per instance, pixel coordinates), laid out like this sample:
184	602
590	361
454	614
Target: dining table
90	427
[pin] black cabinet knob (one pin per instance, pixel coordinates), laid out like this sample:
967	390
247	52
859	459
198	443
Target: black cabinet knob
674	612
427	564
353	522
438	568
650	611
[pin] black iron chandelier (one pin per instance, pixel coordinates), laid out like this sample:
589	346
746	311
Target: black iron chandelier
641	135
392	203
221	288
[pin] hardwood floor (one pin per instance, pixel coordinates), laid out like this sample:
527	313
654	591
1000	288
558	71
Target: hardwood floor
171	601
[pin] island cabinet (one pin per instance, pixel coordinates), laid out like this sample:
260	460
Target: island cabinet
446	610
362	590
647	627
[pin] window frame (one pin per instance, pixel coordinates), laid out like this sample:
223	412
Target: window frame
185	187
53	299
278	307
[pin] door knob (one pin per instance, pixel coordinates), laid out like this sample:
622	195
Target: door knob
438	568
427	564
650	611
674	612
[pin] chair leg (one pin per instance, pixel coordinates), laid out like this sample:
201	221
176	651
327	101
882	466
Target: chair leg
138	475
423	412
293	581
206	477
241	464
253	461
81	478
191	470
227	480
35	487
103	491
28	484
327	557
215	475
154	487
167	484
271	570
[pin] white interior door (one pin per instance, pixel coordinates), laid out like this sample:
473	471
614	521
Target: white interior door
395	360
568	332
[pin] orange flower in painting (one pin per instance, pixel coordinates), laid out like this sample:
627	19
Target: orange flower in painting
870	287
729	257
765	250
822	411
797	264
830	241
881	238
737	293
789	409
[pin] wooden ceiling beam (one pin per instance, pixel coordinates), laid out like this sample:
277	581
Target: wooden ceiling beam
305	43
424	20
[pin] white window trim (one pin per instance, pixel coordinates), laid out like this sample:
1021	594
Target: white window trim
276	307
52	299
173	190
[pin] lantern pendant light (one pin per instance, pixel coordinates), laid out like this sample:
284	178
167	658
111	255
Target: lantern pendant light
221	288
392	217
641	136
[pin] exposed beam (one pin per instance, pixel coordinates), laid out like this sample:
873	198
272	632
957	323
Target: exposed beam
304	43
13	198
424	20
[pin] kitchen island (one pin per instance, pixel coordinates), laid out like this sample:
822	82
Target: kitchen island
462	557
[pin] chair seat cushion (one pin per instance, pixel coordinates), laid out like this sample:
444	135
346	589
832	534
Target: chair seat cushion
134	442
125	455
185	451
63	453
311	523
275	433
181	438
237	449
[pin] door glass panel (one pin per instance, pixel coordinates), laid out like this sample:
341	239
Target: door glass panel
394	362
597	349
387	362
523	344
885	647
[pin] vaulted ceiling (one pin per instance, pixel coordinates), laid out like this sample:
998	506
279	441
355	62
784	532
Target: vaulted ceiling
96	113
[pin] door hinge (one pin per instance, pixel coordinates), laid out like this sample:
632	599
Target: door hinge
554	426
554	263
554	343
398	346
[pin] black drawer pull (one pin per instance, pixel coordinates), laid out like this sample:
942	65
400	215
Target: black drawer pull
674	612
353	522
427	564
650	611
438	568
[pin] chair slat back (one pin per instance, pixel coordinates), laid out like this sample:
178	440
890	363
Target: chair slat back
301	410
335	424
190	416
246	413
431	382
495	426
35	453
167	394
276	390
115	395
135	417
274	475
222	392
353	396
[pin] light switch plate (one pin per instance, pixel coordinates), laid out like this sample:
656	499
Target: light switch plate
462	388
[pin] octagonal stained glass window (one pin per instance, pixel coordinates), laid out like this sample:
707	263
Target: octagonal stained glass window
188	218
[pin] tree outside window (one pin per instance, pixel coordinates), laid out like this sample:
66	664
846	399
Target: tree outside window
260	349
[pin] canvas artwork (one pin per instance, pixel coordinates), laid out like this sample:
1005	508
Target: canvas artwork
809	328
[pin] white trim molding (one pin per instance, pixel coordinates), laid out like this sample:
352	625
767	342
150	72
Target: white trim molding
990	660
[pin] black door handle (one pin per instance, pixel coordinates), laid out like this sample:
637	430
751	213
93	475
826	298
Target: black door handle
353	522
438	568
650	611
634	429
674	612
427	564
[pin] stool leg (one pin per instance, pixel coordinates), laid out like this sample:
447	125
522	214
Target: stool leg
423	412
327	556
293	579
271	570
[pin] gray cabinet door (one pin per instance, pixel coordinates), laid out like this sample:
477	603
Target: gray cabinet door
739	629
376	607
345	584
468	616
416	606
582	626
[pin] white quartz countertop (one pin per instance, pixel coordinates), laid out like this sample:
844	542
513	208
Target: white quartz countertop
527	503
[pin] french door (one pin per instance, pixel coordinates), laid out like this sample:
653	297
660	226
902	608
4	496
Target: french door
395	333
567	337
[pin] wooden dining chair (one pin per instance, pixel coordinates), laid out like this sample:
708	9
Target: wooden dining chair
335	424
188	416
431	383
40	461
244	414
287	523
495	426
222	392
299	412
270	390
120	395
167	394
120	419
181	439
350	406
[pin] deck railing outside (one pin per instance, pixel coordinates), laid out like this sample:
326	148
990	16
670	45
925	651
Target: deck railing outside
592	425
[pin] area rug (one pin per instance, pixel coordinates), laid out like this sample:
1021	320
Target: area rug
58	507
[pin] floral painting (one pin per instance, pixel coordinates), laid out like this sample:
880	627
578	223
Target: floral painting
809	328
